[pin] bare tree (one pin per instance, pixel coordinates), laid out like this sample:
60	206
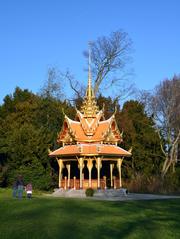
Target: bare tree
109	56
164	106
53	86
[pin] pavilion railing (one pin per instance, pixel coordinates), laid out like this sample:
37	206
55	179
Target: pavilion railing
75	184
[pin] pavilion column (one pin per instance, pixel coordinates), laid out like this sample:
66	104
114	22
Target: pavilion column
81	164
119	163
74	180
69	174
65	182
99	165
111	173
114	178
90	166
105	185
61	166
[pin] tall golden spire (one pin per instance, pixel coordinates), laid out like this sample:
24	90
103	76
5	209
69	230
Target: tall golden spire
89	107
89	91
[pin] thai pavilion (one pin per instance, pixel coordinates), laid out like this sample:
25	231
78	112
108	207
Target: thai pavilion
89	148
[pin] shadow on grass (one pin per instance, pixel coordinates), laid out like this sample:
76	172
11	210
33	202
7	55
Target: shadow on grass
75	218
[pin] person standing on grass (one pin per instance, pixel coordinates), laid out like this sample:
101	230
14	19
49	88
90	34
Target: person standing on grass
29	190
14	187
20	186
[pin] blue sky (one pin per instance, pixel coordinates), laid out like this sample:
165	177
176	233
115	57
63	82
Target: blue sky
37	34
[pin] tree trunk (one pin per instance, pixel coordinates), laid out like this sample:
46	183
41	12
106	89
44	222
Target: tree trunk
171	158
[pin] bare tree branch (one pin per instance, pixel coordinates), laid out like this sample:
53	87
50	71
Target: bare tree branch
73	83
109	55
53	86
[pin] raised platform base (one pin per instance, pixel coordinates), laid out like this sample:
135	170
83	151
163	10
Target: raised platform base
108	193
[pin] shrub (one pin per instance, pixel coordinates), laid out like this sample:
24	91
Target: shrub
89	192
154	183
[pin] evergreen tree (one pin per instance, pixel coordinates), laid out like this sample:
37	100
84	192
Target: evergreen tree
139	133
29	127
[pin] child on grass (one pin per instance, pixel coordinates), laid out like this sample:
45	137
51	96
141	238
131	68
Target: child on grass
29	190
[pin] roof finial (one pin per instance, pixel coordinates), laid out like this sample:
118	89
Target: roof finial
89	107
89	71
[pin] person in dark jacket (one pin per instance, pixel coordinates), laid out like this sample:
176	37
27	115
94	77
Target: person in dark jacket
14	187
20	186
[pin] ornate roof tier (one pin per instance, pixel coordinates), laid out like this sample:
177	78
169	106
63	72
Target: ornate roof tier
91	150
105	131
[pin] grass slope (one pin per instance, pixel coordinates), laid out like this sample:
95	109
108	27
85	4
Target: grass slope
46	218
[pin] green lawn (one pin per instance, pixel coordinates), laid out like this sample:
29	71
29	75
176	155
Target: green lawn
46	218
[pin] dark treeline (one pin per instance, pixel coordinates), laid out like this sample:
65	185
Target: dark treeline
28	129
29	124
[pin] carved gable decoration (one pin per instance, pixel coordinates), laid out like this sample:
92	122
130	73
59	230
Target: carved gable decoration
66	135
112	134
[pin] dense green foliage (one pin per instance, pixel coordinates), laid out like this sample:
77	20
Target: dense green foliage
72	218
140	134
29	127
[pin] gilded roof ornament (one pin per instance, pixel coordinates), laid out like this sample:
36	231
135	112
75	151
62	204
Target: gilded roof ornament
89	107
